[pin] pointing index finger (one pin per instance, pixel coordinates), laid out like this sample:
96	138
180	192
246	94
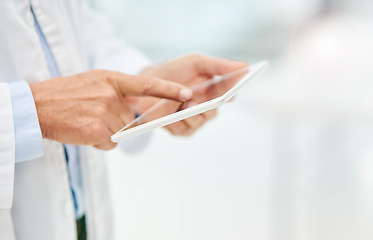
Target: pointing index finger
151	86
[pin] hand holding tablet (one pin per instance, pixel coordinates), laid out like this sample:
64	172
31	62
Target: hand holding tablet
208	95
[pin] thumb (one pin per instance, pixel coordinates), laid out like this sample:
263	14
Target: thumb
217	66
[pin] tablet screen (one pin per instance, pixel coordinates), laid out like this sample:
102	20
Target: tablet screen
203	90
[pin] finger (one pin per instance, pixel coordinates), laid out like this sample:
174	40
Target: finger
132	99
199	120
108	145
104	143
187	105
188	126
114	119
107	121
151	86
210	114
217	66
196	121
179	129
116	125
126	114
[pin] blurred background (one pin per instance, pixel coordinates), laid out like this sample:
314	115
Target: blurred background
290	159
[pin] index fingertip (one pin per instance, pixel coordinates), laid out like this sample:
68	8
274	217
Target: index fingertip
186	94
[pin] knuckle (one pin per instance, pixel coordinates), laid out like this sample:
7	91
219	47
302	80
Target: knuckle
96	132
99	111
105	76
146	84
110	96
97	127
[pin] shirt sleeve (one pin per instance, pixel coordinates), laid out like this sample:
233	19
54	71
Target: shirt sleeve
28	137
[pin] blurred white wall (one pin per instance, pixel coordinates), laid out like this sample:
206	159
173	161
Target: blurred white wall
290	159
238	28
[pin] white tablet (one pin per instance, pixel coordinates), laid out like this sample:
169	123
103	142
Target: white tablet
209	94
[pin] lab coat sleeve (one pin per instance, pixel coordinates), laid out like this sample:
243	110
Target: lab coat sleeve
7	148
105	50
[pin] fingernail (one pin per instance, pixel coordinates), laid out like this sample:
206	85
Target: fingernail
186	94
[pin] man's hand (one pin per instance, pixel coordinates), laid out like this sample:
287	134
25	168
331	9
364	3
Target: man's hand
190	70
86	109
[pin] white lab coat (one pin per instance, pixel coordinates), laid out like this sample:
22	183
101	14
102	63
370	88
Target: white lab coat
35	197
